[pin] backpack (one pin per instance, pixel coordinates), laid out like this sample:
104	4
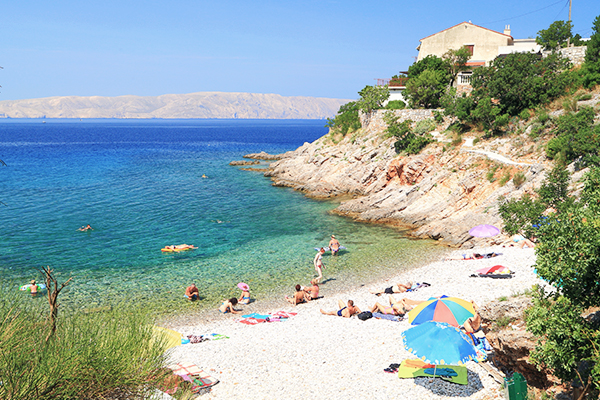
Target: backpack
365	315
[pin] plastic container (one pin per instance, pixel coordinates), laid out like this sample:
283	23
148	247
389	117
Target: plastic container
515	388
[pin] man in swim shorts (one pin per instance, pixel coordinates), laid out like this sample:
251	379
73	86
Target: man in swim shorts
192	292
344	311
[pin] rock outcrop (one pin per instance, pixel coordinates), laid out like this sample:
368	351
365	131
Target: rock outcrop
440	193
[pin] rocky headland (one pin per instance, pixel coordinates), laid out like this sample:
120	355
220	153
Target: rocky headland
452	185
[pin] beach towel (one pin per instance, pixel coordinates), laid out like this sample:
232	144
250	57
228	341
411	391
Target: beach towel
415	368
193	374
493	276
254	318
418	286
387	316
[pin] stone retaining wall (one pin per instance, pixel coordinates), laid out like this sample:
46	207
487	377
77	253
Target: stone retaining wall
575	54
376	122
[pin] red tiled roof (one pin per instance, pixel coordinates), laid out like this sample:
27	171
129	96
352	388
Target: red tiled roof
499	33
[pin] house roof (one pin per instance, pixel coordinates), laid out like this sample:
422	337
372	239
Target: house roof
468	23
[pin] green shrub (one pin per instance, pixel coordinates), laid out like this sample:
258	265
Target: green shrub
543	117
476	140
505	178
584	96
438	117
395	105
524	115
424	126
519	178
346	119
576	137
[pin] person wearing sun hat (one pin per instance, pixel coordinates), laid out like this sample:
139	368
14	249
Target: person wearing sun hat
245	297
334	245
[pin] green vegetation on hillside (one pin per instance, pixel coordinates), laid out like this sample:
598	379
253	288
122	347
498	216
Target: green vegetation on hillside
95	355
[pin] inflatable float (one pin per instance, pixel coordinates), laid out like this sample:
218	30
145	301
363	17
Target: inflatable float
179	247
328	249
40	286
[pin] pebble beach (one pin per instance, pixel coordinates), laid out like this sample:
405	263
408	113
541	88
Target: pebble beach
312	355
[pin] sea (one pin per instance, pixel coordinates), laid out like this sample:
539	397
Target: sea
146	184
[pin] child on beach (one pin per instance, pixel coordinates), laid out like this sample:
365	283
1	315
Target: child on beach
299	296
245	297
343	311
227	306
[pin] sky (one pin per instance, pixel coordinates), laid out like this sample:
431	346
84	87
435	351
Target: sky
316	48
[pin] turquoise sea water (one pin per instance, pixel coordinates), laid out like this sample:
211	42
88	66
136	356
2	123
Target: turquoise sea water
139	184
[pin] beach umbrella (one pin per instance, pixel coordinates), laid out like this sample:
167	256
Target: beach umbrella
451	310
484	231
489	270
439	343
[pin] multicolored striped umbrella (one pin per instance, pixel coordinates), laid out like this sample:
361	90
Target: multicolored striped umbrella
451	310
439	343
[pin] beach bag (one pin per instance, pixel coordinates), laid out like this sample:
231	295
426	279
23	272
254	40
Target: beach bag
365	315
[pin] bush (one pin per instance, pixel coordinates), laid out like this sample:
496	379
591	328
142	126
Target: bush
543	117
438	117
426	89
407	141
524	115
424	126
505	178
395	105
346	120
576	137
519	178
91	356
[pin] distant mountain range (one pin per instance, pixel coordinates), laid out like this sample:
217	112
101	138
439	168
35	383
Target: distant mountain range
192	105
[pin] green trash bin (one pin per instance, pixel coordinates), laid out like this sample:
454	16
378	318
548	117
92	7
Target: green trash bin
516	387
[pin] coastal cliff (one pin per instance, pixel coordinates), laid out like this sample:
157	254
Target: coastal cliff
451	186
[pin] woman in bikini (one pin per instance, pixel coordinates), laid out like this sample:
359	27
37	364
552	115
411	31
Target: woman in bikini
318	262
227	306
396	307
397	288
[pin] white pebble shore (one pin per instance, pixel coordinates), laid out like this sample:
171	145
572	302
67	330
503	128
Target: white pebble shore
318	356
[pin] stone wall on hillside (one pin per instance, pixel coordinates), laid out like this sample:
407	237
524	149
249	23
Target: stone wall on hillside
575	54
375	121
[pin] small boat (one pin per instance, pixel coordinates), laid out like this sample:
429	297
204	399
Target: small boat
179	247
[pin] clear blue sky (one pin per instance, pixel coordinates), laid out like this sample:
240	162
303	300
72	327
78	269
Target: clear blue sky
315	48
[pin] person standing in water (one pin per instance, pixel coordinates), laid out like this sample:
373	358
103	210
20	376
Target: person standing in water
334	245
318	262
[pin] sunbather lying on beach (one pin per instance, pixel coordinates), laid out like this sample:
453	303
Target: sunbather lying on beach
521	241
474	256
299	296
396	307
401	288
344	311
397	288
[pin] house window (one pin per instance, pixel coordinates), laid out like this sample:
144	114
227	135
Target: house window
470	48
464	78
